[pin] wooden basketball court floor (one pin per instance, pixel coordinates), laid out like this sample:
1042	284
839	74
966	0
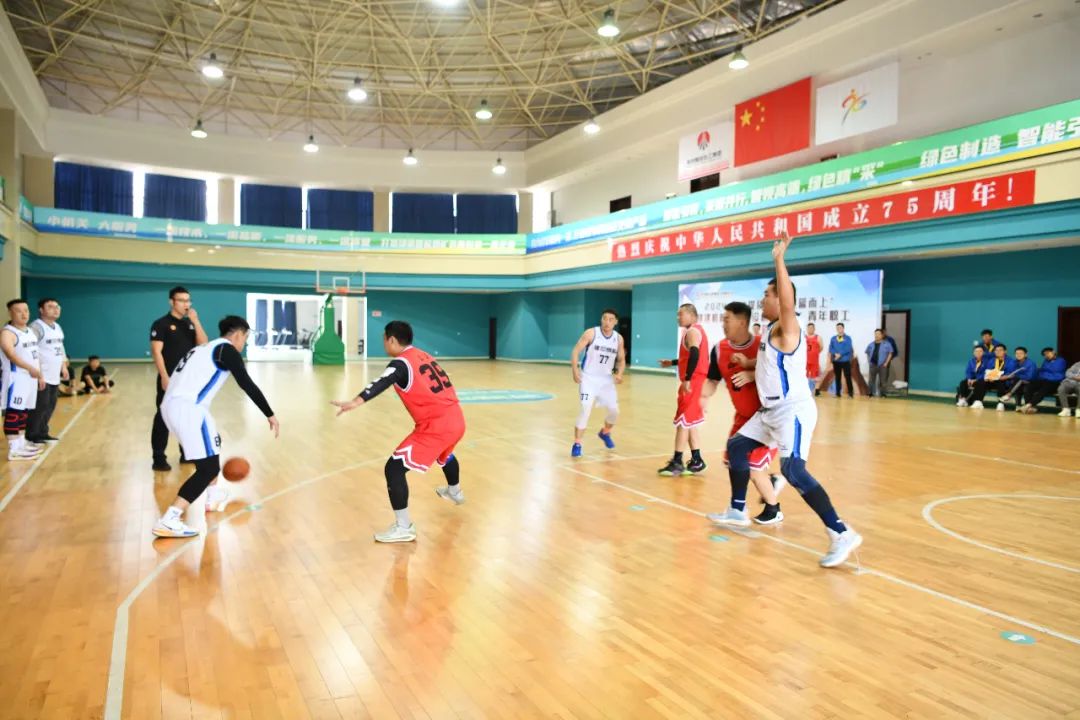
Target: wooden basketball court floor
561	589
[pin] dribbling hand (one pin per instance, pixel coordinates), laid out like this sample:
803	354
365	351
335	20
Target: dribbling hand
274	425
345	406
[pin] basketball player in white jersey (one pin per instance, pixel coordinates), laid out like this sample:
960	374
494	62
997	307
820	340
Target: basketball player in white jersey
53	361
787	417
186	411
22	380
597	375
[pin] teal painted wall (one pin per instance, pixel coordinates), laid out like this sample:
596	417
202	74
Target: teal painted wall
444	324
952	299
597	301
522	325
112	318
565	322
1016	294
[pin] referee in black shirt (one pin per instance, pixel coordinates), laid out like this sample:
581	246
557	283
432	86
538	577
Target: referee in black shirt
171	337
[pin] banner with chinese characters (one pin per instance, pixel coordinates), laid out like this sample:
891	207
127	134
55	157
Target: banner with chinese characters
705	151
852	298
75	222
929	203
1038	132
26	210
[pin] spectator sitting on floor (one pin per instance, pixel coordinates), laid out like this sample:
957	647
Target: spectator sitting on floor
1069	386
94	377
989	343
993	378
1023	374
976	367
67	386
1046	381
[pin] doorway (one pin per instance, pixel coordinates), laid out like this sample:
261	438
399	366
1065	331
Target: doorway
897	325
1068	337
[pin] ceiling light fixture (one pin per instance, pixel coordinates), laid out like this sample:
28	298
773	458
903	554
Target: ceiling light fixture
212	70
310	146
197	131
738	60
483	112
608	28
410	159
591	127
356	92
499	168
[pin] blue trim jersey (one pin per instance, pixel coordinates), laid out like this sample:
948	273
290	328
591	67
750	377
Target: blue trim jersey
780	376
601	354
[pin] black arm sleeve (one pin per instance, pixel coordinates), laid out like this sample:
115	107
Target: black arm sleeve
691	364
396	373
227	358
714	366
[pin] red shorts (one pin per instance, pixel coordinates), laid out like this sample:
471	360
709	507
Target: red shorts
761	457
432	441
688	411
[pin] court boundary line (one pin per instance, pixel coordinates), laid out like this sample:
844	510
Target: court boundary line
1001	459
859	570
114	692
928	509
10	496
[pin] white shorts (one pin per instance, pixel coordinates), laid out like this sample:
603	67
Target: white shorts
600	390
193	426
20	391
789	426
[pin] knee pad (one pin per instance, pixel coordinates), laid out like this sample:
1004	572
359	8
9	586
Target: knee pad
794	469
739	448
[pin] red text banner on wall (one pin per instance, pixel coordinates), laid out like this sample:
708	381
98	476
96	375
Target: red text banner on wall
961	198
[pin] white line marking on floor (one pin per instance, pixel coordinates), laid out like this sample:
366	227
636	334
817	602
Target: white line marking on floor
861	571
928	511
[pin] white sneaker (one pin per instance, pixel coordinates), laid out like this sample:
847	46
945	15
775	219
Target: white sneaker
23	453
395	534
217	499
173	529
457	498
730	518
1001	406
961	403
842	546
779	482
977	405
1067	412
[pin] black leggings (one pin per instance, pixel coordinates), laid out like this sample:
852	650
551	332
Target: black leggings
205	471
398	487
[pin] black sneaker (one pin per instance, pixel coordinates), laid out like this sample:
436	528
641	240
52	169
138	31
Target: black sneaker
672	469
770	515
49	438
162	466
696	466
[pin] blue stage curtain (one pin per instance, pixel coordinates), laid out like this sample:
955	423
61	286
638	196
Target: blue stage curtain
341	210
423	213
487	214
272	205
175	198
93	189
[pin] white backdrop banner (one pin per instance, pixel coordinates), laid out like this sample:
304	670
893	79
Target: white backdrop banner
707	150
857	104
853	298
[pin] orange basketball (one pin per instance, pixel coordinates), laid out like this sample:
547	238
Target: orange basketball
236	469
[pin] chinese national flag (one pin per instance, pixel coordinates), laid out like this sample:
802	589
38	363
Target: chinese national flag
772	124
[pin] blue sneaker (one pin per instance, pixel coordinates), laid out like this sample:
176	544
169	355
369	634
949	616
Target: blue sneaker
576	450
608	442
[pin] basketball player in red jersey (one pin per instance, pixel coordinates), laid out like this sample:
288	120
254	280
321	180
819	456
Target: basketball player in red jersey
429	396
813	357
693	366
733	360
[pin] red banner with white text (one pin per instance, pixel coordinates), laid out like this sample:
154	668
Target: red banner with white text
960	198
